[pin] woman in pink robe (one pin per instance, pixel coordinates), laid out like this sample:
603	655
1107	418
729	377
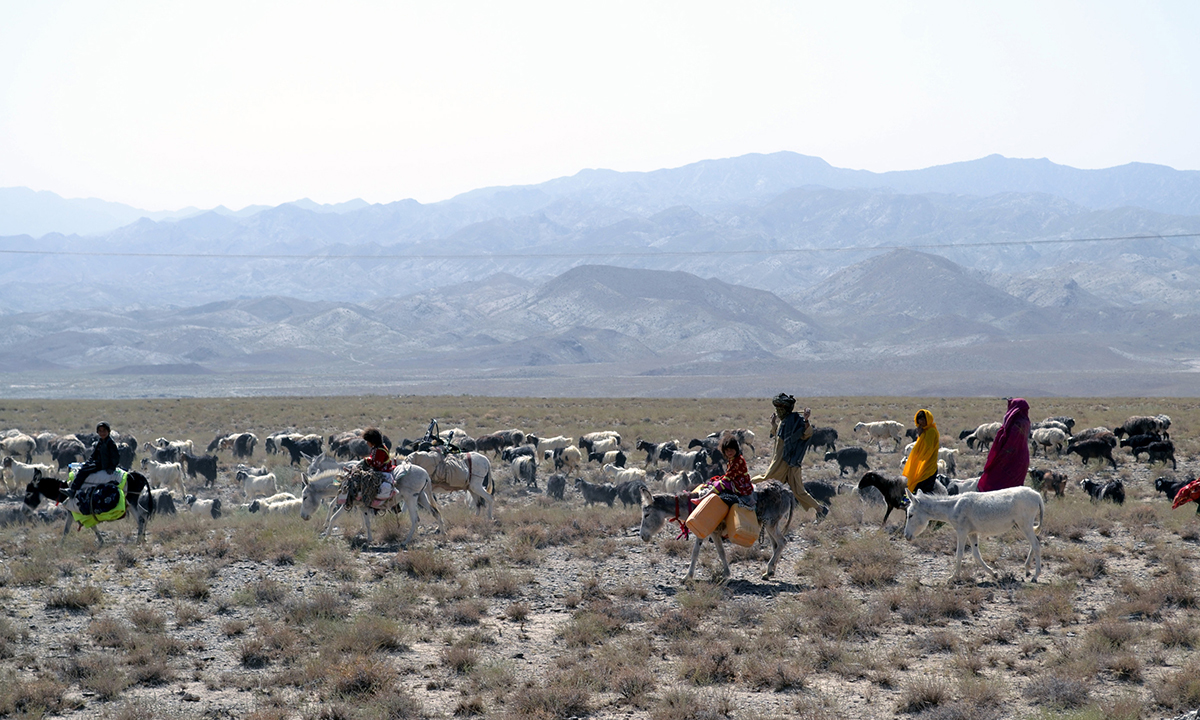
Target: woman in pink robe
1008	460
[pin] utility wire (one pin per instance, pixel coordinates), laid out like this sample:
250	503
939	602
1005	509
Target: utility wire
526	254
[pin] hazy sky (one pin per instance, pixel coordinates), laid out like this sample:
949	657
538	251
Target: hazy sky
167	104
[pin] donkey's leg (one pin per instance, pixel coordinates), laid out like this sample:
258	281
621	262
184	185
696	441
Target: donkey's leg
1035	551
480	493
66	531
411	504
958	554
99	537
334	511
426	500
721	554
695	555
974	538
778	541
366	514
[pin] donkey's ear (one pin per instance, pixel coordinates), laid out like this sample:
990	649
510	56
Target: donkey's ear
909	495
647	497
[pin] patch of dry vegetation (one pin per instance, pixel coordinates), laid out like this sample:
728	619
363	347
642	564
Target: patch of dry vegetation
557	610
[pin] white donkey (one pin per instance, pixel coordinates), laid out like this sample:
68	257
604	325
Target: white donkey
412	485
976	514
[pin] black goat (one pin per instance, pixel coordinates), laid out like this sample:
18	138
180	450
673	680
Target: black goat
1088	449
851	457
892	489
1113	491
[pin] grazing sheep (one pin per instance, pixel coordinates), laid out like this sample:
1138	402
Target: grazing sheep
594	492
1136	442
950	456
1139	425
524	469
822	492
1113	491
556	485
1088	449
1051	423
1047	480
22	473
210	508
851	457
164	501
1159	452
958	487
568	458
555	443
512	453
883	430
612	457
1067	422
985	434
280	507
976	515
19	444
1045	437
892	489
1096	433
824	437
1164	424
587	442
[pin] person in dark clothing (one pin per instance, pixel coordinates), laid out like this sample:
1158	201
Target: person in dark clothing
104	459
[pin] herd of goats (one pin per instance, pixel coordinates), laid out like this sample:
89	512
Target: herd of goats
451	460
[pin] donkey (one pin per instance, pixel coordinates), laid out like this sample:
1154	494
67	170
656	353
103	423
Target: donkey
470	471
773	506
138	500
413	487
974	514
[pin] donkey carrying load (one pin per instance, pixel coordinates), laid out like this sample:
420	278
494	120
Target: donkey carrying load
773	508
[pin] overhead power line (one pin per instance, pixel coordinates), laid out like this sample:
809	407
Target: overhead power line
526	254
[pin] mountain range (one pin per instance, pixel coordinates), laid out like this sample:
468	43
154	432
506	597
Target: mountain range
745	267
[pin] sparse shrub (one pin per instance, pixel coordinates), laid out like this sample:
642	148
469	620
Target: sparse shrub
460	659
1180	690
517	612
187	614
323	605
254	654
370	633
780	675
1178	634
96	674
425	565
263	591
109	632
869	562
1056	690
470	707
467	612
939	641
712	664
33	697
147	619
234	627
499	583
563	696
361	676
922	694
124	559
336	560
75	598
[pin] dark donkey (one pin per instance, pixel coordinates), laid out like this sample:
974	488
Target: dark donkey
773	507
138	500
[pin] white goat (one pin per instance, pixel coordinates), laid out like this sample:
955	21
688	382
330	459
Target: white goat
164	474
19	444
981	514
681	482
256	485
210	508
621	475
883	430
605	445
280	507
555	443
22	473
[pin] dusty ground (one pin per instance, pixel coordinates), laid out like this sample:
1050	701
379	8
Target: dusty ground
559	610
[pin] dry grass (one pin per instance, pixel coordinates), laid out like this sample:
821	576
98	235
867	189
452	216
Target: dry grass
555	610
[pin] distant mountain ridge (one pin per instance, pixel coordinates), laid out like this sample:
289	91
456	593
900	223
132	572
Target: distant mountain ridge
747	178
